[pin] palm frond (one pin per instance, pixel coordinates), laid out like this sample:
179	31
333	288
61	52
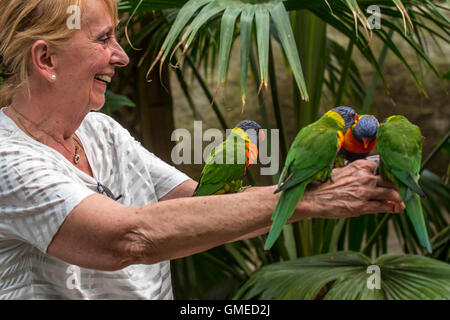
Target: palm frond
344	276
196	13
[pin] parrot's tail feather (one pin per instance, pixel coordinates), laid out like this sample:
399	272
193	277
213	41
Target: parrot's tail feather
283	175
408	180
283	211
415	214
298	177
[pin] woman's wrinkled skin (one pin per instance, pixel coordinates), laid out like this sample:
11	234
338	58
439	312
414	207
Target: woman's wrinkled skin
355	190
103	234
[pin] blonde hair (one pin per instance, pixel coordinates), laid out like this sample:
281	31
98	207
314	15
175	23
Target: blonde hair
22	23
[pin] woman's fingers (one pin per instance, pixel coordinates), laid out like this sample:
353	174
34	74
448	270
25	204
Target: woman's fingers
355	191
387	194
385	183
382	206
361	167
370	166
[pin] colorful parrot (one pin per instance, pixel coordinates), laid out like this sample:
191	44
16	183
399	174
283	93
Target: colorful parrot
227	164
349	114
360	139
350	117
400	148
310	158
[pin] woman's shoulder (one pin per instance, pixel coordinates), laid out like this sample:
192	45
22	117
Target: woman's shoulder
103	127
98	118
100	121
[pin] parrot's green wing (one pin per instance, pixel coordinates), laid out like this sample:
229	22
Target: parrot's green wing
310	158
225	164
415	214
298	177
400	148
408	179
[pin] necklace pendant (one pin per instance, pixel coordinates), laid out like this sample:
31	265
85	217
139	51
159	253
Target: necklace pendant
76	158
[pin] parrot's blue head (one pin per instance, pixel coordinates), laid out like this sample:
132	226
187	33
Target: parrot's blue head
253	130
367	127
365	131
348	114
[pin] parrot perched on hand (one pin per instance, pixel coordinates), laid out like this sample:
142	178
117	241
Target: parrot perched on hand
360	139
349	114
310	158
400	148
227	164
350	118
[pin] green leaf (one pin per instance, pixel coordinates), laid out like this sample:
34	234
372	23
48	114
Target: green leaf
226	40
114	102
344	275
263	37
281	21
183	18
447	76
246	43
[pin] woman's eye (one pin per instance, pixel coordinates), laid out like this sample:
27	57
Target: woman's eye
104	40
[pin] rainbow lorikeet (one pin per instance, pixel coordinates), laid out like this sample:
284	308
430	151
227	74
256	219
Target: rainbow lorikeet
310	158
227	164
400	148
360	139
349	114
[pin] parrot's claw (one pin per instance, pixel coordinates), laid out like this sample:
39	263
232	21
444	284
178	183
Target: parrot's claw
244	188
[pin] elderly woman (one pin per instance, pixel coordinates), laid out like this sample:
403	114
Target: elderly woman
85	211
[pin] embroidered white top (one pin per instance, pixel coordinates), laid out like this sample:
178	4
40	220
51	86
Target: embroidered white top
38	190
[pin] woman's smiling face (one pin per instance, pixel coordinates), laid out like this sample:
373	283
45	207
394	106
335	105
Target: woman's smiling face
88	61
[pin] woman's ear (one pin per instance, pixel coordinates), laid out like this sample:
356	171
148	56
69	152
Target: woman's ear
43	60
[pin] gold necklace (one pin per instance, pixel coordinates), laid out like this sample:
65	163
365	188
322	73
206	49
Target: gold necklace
76	157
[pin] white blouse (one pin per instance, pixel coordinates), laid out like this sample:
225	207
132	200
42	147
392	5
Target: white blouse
38	190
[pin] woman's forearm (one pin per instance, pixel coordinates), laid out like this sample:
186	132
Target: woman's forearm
102	234
181	227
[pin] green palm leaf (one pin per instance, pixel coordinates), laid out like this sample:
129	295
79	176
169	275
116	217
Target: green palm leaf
259	11
226	40
344	275
246	33
347	16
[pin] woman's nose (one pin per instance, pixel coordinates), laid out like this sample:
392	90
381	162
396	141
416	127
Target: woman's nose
118	58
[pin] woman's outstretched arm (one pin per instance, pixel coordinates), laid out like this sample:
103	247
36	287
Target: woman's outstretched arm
103	234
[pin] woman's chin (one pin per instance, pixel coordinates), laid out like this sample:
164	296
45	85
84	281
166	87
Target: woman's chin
97	104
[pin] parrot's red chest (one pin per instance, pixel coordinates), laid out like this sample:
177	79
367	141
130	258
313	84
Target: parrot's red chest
351	144
251	151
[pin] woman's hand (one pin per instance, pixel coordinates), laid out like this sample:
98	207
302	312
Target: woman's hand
354	191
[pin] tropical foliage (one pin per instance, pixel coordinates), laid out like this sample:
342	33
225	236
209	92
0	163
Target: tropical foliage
344	276
318	258
201	35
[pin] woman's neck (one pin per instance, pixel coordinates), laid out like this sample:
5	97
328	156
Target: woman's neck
44	120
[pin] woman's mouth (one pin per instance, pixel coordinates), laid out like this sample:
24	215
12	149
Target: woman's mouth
103	78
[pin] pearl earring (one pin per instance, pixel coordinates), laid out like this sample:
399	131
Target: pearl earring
53	77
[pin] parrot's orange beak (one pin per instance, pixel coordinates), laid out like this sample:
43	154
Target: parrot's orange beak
366	142
262	135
